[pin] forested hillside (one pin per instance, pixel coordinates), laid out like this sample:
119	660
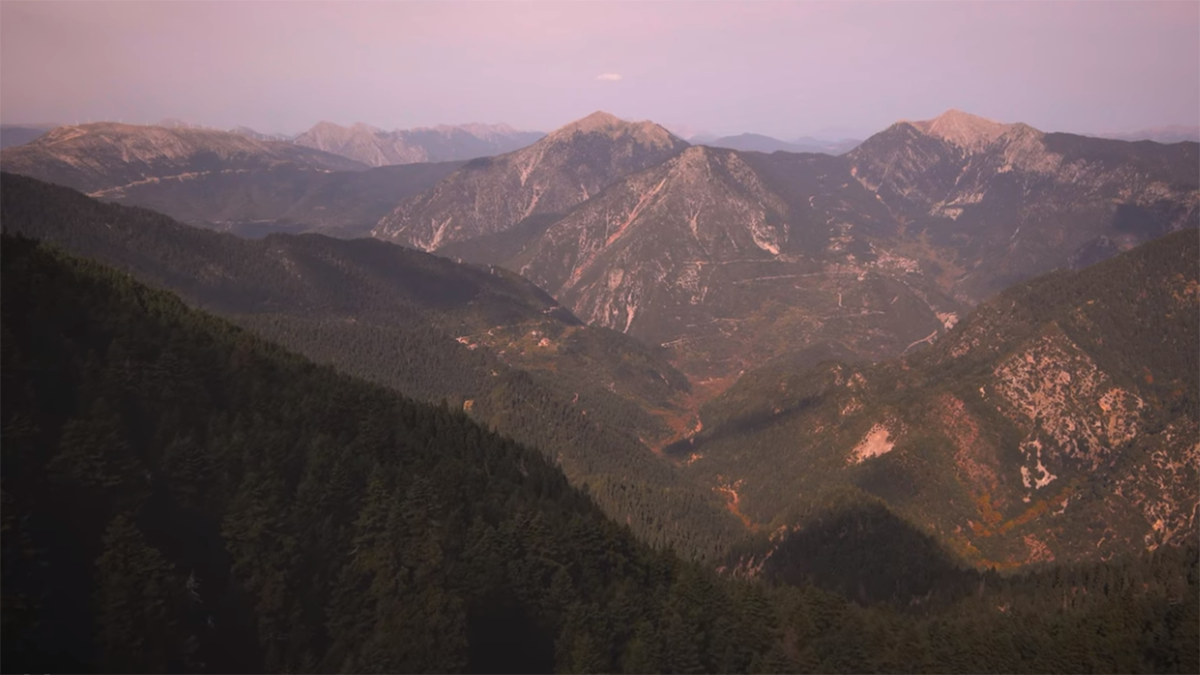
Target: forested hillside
482	339
182	496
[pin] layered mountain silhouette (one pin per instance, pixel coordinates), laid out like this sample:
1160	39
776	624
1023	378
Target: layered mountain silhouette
445	143
1173	133
760	143
20	134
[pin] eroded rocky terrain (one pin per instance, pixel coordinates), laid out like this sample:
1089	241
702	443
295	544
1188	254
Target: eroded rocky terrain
1057	422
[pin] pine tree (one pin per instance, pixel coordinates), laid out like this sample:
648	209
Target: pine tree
137	598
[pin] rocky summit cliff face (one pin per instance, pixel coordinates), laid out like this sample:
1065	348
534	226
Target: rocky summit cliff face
997	203
444	143
1059	421
491	195
106	158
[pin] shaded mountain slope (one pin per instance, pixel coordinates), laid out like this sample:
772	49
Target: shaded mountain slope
180	495
286	198
1058	421
349	203
481	338
1172	133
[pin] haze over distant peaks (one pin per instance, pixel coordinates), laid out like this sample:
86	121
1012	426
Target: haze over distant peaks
19	134
443	143
259	135
1172	133
760	143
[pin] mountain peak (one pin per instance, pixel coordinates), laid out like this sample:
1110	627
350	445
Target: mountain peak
600	122
965	130
597	120
326	125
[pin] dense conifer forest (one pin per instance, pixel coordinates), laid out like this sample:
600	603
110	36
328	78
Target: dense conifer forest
392	316
179	495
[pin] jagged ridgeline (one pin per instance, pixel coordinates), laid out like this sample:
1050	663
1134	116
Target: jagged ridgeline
182	496
483	339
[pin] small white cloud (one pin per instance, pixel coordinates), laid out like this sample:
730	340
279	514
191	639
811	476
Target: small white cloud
609	77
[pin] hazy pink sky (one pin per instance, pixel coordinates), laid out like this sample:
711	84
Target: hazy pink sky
779	68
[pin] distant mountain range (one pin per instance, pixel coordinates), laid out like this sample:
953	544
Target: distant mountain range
376	147
1174	133
107	158
20	134
760	143
251	133
239	181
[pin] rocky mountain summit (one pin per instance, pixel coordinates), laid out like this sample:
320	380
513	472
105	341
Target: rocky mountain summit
1003	202
492	195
